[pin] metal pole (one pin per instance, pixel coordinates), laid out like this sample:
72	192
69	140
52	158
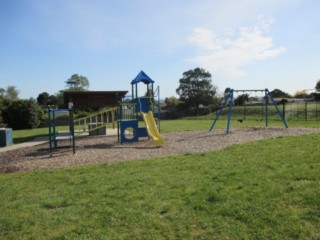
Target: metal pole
283	109
266	105
72	131
221	109
132	90
50	131
276	106
230	110
159	110
244	107
54	128
305	111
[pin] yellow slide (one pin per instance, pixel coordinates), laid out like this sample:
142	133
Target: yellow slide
157	138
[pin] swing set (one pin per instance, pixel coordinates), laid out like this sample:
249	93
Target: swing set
229	100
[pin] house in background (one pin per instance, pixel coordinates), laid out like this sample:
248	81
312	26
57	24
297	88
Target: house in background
92	99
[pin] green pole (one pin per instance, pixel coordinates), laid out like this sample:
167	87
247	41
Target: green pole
50	131
136	90
135	106
152	98
72	131
54	128
159	110
306	111
132	91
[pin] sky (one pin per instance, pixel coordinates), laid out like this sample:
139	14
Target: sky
244	44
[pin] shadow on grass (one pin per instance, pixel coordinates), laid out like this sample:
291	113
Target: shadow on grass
23	139
17	140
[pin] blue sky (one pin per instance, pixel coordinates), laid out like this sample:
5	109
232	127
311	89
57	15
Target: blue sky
251	44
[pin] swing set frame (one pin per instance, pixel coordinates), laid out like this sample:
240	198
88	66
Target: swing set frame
230	98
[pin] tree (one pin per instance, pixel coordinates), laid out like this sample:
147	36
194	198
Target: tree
171	101
43	98
277	93
77	83
241	99
227	91
2	91
53	100
318	85
11	93
302	94
196	88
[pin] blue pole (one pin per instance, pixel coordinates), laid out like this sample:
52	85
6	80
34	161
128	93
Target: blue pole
220	111
266	105
230	110
276	106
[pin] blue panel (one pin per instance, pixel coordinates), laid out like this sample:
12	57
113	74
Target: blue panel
124	125
142	104
5	137
143	132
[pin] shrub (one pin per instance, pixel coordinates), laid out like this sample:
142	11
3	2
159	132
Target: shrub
22	114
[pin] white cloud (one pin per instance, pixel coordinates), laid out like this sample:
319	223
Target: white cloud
226	54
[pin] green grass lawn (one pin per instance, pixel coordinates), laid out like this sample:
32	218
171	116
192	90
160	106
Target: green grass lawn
261	190
20	136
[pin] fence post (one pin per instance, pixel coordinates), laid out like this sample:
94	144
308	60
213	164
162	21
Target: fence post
305	111
283	109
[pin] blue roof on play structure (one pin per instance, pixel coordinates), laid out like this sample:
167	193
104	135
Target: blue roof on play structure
142	77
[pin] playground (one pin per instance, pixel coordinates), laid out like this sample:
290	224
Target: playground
106	149
193	180
133	140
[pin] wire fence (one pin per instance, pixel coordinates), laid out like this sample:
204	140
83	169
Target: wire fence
301	111
306	111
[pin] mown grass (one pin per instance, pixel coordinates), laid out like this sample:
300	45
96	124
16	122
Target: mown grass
205	124
26	135
189	124
261	190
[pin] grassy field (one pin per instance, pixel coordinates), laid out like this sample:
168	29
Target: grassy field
261	190
188	124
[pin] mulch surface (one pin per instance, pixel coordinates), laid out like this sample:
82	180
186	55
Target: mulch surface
106	149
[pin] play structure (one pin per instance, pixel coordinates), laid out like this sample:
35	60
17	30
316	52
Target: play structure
139	107
54	135
265	113
126	115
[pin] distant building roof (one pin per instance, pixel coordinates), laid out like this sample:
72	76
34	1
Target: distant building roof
92	99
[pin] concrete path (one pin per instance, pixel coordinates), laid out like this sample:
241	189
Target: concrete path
42	140
36	141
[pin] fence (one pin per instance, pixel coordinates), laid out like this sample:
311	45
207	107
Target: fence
306	111
302	111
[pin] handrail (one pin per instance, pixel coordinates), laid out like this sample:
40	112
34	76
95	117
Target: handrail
103	115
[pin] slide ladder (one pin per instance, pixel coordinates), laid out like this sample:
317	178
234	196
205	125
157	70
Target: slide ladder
152	129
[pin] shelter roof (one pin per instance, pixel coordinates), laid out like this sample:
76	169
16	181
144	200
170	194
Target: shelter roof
142	77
